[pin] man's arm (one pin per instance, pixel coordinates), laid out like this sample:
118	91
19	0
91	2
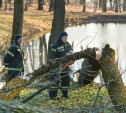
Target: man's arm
9	56
53	52
70	49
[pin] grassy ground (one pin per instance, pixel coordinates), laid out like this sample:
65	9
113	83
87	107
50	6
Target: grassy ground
36	23
80	100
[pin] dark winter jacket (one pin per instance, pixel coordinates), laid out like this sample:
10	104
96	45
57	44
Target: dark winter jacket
13	59
59	49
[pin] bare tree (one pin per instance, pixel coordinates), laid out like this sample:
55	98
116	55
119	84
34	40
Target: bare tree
67	1
18	18
40	4
41	50
83	2
45	49
58	21
51	5
124	5
100	3
119	5
0	3
110	4
5	5
104	9
95	5
116	5
84	5
33	55
26	5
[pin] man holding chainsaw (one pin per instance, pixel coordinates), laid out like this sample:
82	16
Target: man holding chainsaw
60	48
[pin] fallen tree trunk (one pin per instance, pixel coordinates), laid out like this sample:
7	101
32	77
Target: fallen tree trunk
87	73
89	70
19	81
112	77
16	107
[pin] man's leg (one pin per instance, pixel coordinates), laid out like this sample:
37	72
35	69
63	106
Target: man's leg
13	74
53	90
65	85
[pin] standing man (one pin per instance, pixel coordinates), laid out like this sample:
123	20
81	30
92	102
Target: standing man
13	59
60	48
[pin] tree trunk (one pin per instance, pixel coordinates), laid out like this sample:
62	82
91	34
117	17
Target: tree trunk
67	2
84	5
116	5
0	3
119	5
104	9
110	4
58	22
26	5
112	77
124	5
18	18
101	78
51	7
30	57
21	82
16	107
45	49
41	50
100	3
88	72
95	5
5	5
40	4
33	54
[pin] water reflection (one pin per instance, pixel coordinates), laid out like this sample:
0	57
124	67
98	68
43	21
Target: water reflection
35	54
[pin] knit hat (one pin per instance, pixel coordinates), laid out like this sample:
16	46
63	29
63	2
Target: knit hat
17	37
63	34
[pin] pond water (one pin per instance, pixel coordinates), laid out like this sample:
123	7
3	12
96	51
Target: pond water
88	35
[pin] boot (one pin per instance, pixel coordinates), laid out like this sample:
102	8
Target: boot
64	96
52	94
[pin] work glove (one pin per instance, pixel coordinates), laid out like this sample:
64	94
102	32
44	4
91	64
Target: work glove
69	53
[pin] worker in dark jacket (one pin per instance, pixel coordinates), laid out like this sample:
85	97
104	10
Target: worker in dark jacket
13	59
60	48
